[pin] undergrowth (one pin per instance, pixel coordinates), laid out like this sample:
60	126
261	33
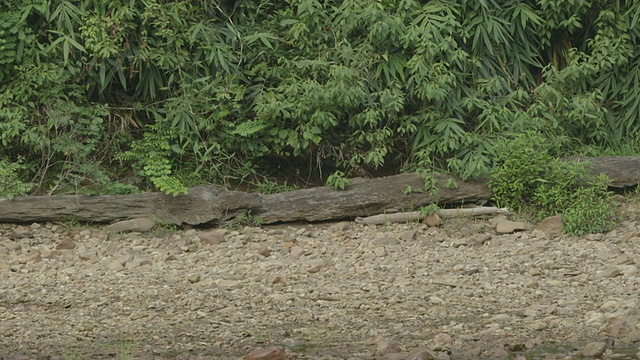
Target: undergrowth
528	177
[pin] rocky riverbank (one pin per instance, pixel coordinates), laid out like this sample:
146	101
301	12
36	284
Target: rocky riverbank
319	291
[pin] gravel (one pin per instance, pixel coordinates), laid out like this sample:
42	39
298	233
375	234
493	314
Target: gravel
319	291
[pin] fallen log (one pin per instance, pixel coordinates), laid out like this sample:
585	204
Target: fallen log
364	197
202	205
210	205
623	171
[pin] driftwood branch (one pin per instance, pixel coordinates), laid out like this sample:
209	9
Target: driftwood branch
443	213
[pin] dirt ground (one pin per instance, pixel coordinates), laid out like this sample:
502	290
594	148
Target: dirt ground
319	291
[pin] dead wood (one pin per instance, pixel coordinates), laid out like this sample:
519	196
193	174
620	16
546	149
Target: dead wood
209	205
412	216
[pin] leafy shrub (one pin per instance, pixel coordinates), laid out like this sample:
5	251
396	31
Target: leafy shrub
519	170
10	184
150	155
338	180
352	85
591	210
527	177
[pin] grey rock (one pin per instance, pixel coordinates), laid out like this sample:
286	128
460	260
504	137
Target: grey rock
213	237
420	354
116	266
35	257
139	225
271	353
296	251
594	237
441	342
341	226
4	265
66	244
551	226
379	251
479	239
193	278
497	352
315	265
594	349
393	356
139	260
508	226
13	246
51	254
432	220
385	240
264	250
459	242
407	235
20	232
386	346
46	233
619	329
228	284
609	273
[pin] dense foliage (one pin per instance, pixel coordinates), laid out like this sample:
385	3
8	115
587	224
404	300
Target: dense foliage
113	96
527	178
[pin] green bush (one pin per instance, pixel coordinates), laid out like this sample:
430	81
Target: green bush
164	93
10	184
527	177
591	210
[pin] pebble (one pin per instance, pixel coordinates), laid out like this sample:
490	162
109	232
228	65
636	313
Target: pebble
507	226
382	239
213	237
551	226
271	353
594	349
407	235
432	220
66	244
609	273
296	251
264	250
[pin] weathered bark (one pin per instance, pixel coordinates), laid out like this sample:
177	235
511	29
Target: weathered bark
622	170
210	205
202	205
363	197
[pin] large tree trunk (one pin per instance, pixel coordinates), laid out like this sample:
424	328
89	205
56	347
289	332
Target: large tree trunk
202	205
209	205
364	197
623	171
